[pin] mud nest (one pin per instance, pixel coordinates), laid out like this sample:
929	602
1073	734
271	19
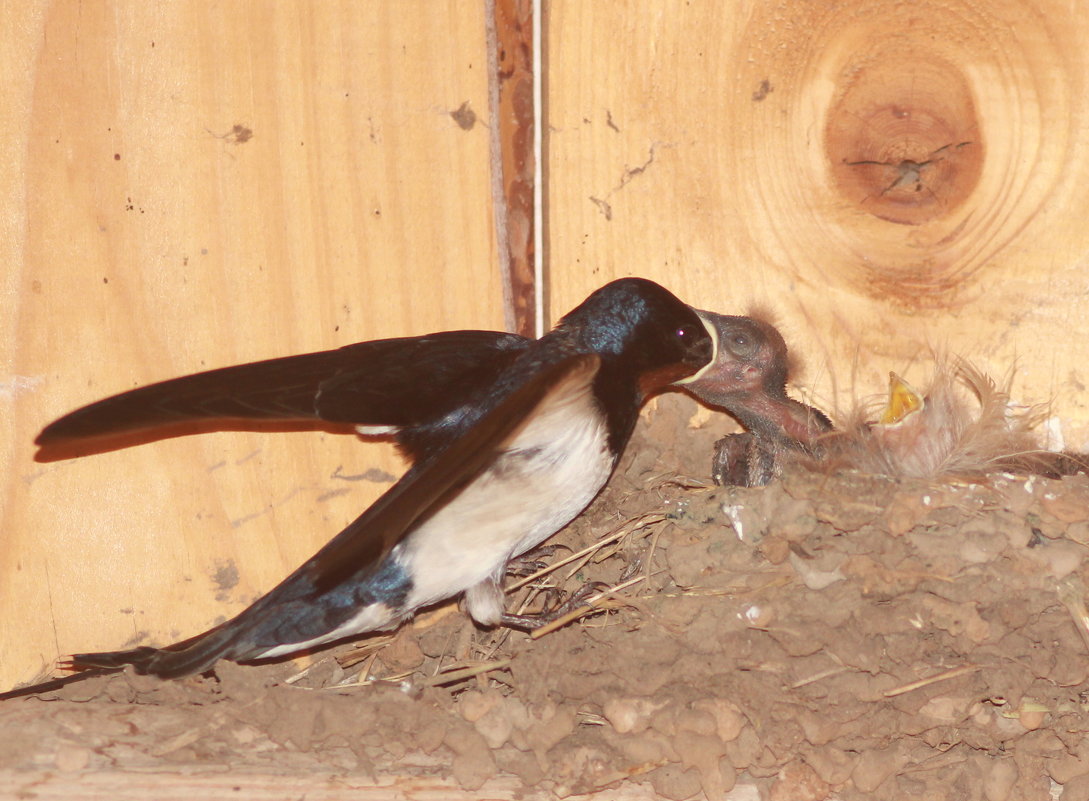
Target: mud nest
833	635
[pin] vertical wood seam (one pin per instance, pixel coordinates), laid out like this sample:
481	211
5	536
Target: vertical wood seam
513	163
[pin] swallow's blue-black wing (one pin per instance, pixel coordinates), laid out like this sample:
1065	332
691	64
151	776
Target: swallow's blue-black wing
395	383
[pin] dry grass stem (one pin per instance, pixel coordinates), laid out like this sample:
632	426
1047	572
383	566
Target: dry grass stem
945	676
384	680
363	651
452	675
630	527
592	605
649	560
365	673
300	675
824	674
1072	594
730	592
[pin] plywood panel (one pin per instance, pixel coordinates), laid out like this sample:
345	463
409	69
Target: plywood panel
886	177
194	184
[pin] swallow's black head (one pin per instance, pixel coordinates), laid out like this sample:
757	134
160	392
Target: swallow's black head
751	357
659	338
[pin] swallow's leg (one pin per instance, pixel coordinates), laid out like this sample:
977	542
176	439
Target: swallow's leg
574	601
529	563
484	601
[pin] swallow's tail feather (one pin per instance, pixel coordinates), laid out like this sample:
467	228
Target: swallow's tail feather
52	685
195	655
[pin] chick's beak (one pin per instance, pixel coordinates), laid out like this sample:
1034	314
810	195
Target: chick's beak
903	402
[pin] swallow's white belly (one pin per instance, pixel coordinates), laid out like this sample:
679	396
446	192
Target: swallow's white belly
546	472
545	476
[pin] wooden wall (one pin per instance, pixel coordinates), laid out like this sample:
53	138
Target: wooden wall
761	152
190	185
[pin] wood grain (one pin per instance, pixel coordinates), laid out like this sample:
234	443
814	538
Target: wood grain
888	178
192	185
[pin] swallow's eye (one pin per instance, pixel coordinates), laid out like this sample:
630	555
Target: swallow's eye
684	333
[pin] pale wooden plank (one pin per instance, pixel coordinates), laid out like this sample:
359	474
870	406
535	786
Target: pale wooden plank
196	184
705	145
178	785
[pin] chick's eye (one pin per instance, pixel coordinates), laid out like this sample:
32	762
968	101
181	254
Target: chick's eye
684	332
742	345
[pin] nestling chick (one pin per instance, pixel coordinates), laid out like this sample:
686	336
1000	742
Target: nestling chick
962	426
749	380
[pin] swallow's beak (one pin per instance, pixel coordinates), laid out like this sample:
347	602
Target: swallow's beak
701	378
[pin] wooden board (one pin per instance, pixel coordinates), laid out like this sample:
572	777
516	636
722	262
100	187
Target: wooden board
67	783
192	185
886	177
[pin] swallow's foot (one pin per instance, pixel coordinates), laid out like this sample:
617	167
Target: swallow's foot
531	562
574	601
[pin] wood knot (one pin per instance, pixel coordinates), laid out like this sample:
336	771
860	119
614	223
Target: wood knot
902	137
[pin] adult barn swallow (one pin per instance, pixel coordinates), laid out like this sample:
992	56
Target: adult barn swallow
748	379
411	390
529	447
